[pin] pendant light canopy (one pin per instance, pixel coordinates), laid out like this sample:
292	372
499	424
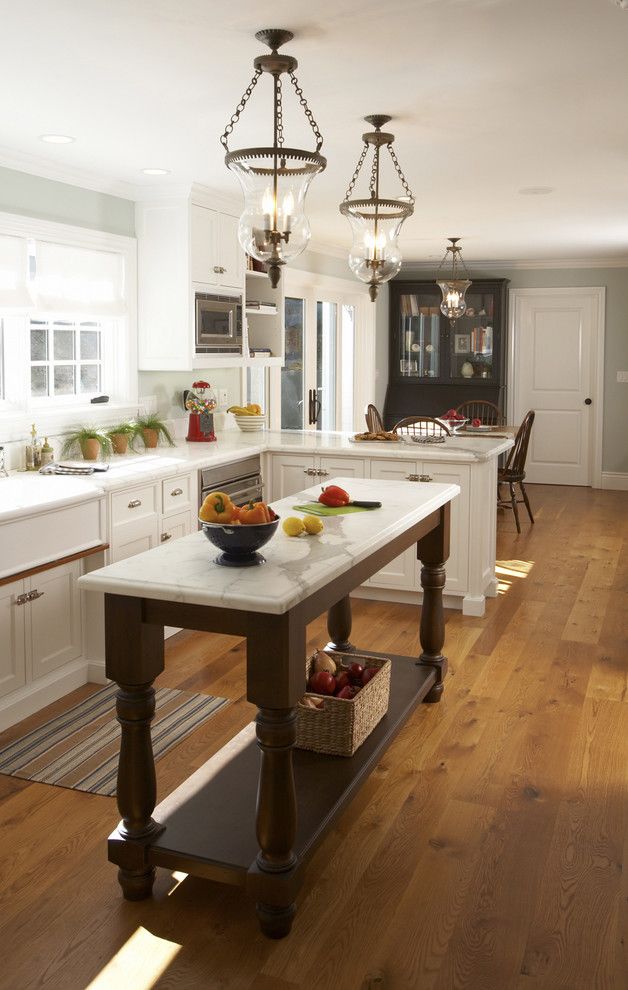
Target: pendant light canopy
376	221
273	227
453	288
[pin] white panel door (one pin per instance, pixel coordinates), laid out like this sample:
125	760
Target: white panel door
341	467
231	255
401	573
55	619
554	372
457	567
204	245
134	537
12	643
291	473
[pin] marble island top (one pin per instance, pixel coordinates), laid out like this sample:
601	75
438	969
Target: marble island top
185	570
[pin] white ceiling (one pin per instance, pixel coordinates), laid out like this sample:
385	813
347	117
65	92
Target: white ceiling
488	96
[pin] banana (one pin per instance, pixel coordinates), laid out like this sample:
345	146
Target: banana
239	411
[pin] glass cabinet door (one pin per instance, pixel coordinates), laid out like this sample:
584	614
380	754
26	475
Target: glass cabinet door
419	337
471	340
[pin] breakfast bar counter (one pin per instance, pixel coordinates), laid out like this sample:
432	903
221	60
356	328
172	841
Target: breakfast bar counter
245	818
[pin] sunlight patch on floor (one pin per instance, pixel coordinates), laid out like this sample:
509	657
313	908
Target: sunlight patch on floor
138	964
178	878
506	570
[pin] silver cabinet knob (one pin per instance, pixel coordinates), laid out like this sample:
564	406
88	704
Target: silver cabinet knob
425	477
21	599
34	595
219	270
176	491
165	537
133	504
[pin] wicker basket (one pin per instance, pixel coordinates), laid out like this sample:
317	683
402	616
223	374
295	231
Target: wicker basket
341	725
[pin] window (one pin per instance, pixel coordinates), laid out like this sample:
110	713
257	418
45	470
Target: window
66	358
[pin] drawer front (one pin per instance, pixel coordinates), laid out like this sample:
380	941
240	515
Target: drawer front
132	504
176	494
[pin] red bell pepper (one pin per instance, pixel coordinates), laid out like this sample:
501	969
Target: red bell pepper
334	497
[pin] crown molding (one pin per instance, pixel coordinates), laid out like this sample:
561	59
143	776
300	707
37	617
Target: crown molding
70	175
429	266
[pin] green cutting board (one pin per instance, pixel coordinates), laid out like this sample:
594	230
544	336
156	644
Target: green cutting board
318	509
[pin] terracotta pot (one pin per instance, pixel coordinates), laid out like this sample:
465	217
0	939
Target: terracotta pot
90	449
119	442
151	438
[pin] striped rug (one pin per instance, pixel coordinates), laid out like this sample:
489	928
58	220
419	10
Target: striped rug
79	749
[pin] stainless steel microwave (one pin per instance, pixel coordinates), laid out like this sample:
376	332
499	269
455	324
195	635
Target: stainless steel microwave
218	324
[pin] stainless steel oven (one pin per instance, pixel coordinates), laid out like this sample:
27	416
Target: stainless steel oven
242	481
218	324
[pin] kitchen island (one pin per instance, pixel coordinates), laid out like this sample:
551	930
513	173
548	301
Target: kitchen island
213	826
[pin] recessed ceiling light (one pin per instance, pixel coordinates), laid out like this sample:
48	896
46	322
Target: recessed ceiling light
536	190
156	171
57	138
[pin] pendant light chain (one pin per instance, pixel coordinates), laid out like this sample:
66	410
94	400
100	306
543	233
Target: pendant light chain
238	110
308	113
373	181
356	172
404	181
279	112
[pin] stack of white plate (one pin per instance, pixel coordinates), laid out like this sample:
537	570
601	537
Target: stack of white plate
251	424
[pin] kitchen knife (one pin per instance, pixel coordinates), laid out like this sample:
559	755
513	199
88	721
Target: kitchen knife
366	505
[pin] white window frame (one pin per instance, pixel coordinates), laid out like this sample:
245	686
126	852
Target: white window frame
120	365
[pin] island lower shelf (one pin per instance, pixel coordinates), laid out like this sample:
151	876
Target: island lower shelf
210	819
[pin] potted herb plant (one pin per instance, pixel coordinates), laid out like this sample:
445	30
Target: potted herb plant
123	436
153	430
91	442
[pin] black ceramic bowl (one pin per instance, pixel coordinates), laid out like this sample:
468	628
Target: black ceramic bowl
239	544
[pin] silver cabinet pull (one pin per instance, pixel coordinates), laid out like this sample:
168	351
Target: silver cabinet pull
165	537
425	477
219	270
133	504
412	477
21	599
311	471
34	595
176	491
323	474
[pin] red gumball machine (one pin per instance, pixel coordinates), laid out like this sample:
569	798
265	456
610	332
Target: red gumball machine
200	401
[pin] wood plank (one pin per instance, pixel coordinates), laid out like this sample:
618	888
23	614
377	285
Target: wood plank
20	575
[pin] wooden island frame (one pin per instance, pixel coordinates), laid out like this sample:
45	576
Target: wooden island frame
244	819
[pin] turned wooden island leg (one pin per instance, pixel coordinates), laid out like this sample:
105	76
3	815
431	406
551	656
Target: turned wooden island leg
275	683
433	551
134	657
339	626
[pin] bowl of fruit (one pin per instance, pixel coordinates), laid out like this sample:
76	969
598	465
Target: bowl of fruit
250	418
238	531
453	420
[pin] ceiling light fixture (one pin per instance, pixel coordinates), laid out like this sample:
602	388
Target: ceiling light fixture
273	227
453	288
57	138
375	221
156	171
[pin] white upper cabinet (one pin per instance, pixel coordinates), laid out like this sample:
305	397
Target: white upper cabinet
230	254
204	260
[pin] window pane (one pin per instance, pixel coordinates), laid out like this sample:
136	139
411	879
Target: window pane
326	364
90	378
292	372
64	345
64	378
39	343
347	364
90	345
39	381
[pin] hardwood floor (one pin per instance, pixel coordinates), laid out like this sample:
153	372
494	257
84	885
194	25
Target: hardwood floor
485	851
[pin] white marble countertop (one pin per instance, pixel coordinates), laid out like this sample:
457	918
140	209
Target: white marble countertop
26	491
185	570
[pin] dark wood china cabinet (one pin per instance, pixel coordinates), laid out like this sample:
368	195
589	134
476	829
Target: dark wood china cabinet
433	366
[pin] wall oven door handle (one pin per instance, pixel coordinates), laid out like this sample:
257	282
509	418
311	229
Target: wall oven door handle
316	411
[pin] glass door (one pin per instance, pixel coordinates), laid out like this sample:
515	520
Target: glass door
293	406
419	338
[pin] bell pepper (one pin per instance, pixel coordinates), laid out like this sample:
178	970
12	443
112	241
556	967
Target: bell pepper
334	496
254	513
217	508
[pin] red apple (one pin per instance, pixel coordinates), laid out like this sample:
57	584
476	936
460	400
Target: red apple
476	422
347	693
322	682
342	679
355	672
368	675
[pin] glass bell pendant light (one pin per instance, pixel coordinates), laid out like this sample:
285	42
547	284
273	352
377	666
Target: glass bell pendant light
453	288
273	227
376	221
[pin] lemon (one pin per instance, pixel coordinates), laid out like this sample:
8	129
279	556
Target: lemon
293	526
313	525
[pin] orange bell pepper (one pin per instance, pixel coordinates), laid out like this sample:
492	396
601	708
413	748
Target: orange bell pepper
217	508
254	513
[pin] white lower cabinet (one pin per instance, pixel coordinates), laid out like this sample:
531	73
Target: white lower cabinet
175	526
130	538
40	626
291	473
402	572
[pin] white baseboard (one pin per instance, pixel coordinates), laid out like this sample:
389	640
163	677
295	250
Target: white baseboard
96	672
615	481
32	697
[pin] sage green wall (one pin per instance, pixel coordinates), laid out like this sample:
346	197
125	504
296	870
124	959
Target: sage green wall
47	199
615	414
167	387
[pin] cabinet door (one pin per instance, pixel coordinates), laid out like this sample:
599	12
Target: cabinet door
12	643
230	254
134	537
173	527
456	568
55	619
341	467
291	473
402	572
205	254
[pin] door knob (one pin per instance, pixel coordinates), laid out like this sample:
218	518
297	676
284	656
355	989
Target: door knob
588	402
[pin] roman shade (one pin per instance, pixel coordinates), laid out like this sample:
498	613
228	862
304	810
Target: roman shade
14	289
73	280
